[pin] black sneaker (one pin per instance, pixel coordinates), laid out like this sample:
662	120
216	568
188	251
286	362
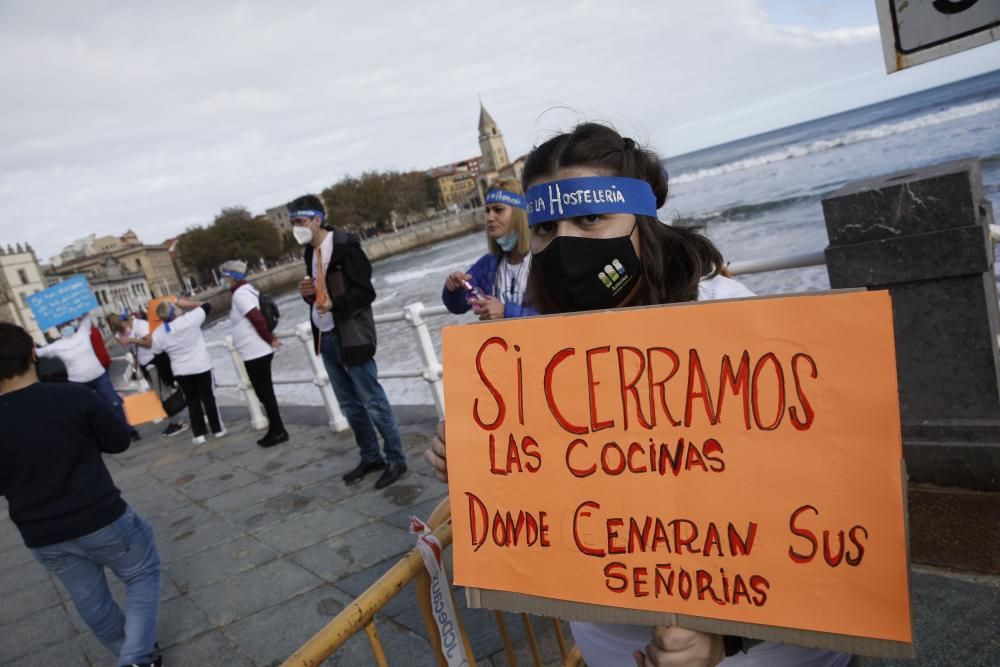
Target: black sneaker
173	428
272	439
135	436
392	472
363	469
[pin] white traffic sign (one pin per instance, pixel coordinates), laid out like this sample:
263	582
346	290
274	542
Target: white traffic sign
916	31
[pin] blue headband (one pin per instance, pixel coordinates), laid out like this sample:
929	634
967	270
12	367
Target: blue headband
307	213
170	316
577	197
235	275
506	197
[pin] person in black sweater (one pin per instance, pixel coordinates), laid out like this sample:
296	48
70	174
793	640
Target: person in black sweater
63	501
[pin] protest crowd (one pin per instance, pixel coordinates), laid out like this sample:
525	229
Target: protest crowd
578	233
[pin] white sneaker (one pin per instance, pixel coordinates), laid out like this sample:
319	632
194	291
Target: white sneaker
198	439
221	434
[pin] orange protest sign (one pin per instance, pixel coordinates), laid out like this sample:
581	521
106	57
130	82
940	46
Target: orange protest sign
143	407
737	461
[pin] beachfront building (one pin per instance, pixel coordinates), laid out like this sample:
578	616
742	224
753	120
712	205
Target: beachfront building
456	184
152	261
278	217
20	277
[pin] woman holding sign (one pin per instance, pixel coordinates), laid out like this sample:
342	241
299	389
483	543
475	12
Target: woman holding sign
494	286
592	200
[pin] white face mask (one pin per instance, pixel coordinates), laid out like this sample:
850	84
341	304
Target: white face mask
302	234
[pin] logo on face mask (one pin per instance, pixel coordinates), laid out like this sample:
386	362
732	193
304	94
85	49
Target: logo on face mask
614	276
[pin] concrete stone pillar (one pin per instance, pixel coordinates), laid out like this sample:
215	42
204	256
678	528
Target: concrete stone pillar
924	235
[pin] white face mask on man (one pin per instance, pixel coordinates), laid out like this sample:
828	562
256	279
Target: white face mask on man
302	234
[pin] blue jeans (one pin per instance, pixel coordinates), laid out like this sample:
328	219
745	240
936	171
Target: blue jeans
363	401
106	390
125	546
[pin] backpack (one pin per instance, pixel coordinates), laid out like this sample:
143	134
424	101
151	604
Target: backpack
269	309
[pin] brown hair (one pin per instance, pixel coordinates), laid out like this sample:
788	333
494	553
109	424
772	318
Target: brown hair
115	323
674	259
518	216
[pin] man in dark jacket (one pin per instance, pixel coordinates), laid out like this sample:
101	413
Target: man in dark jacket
338	287
65	505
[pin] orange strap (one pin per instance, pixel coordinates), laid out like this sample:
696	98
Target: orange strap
322	298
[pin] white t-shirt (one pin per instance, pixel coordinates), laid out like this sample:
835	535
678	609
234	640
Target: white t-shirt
323	321
140	328
77	353
612	645
184	344
246	340
511	280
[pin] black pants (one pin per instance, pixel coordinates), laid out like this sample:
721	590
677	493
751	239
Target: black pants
259	372
200	401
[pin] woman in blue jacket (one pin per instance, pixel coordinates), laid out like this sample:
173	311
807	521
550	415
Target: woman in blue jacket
502	273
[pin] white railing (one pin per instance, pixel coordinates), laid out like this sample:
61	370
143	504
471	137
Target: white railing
415	315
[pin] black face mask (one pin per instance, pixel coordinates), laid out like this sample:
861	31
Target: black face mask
588	274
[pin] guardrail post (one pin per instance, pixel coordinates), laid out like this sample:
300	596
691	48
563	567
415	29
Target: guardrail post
425	346
337	420
924	235
257	418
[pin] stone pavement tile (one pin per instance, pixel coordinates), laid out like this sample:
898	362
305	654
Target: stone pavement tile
355	550
33	632
237	499
10	538
182	539
168	470
70	652
407	492
209	649
287	507
92	648
214	480
332	491
16	555
176	462
219	562
402	647
156	499
318	470
421	510
180	619
307	529
273	634
956	621
27	601
251	591
20	576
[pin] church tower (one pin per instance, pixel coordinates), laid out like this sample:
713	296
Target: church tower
491	142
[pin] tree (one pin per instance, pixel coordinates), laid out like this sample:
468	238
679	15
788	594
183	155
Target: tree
234	234
357	204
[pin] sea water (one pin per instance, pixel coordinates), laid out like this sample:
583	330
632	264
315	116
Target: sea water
757	197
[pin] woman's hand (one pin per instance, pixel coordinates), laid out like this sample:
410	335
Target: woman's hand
275	343
676	647
488	308
435	454
307	288
454	281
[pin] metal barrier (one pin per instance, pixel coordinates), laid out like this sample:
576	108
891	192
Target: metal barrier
415	314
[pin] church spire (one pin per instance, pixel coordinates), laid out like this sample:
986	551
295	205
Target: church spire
486	122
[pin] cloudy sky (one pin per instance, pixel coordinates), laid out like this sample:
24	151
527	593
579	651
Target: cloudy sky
154	116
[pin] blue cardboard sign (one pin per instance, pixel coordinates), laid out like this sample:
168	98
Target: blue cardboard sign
62	302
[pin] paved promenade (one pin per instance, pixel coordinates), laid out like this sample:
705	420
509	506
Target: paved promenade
262	547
